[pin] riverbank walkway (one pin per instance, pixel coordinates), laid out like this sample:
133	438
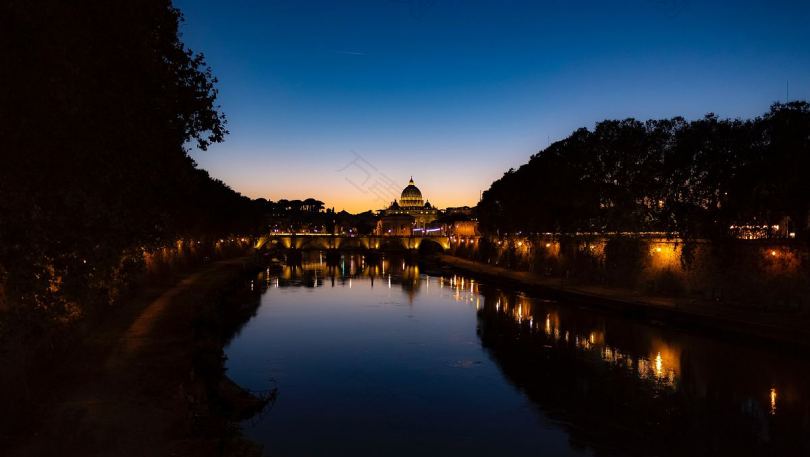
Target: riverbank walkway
786	328
126	390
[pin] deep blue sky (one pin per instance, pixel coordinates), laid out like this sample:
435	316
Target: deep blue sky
456	92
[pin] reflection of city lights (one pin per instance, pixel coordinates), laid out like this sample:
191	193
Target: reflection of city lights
773	401
661	367
658	364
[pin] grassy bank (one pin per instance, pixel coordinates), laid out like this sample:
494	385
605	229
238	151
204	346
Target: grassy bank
149	380
785	329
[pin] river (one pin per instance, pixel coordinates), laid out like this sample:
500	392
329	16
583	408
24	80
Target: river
382	359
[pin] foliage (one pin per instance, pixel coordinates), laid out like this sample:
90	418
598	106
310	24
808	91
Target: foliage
625	258
100	103
696	178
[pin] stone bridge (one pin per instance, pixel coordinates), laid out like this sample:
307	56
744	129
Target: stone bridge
318	241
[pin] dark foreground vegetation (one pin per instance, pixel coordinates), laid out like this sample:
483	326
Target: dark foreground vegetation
700	179
103	103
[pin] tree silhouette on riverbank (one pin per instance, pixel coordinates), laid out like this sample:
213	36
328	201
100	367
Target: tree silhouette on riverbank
697	178
101	102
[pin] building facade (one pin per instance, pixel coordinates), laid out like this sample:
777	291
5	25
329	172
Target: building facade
410	205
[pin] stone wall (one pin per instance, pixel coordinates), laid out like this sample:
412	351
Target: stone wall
751	273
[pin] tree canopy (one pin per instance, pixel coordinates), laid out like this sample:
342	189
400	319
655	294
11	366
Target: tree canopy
696	178
99	106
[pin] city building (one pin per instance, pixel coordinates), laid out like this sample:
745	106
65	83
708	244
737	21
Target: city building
459	210
464	228
395	225
410	204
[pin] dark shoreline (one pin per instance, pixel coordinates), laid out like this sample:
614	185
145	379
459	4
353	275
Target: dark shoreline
150	379
781	331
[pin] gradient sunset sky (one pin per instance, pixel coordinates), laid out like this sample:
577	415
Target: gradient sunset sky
344	101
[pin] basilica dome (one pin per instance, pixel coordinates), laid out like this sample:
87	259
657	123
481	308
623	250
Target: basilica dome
411	196
410	215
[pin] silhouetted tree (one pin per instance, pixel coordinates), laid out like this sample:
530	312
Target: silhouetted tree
697	178
99	104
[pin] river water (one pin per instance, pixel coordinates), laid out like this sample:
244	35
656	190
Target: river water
382	359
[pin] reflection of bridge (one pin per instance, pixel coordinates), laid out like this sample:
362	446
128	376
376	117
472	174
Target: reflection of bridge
320	241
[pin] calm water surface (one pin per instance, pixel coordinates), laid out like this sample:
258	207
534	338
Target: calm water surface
384	360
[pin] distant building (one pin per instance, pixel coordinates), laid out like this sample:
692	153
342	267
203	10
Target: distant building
754	231
464	228
410	204
462	210
395	225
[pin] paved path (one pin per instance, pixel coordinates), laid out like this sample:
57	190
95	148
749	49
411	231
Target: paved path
127	390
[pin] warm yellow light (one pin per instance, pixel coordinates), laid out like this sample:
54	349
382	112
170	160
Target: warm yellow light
548	245
657	249
773	253
659	364
773	401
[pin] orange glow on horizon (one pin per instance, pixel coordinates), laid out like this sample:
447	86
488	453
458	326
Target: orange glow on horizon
348	191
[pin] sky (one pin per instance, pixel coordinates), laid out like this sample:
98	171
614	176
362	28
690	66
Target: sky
344	101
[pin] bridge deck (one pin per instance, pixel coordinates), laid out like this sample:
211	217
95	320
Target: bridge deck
325	241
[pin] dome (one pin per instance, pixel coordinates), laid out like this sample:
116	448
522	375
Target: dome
411	195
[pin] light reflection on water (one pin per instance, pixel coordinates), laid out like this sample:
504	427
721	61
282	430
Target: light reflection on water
661	364
611	385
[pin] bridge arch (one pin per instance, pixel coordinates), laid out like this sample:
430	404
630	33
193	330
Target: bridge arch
430	246
311	241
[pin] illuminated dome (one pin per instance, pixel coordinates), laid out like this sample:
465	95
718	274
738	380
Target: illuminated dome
411	196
